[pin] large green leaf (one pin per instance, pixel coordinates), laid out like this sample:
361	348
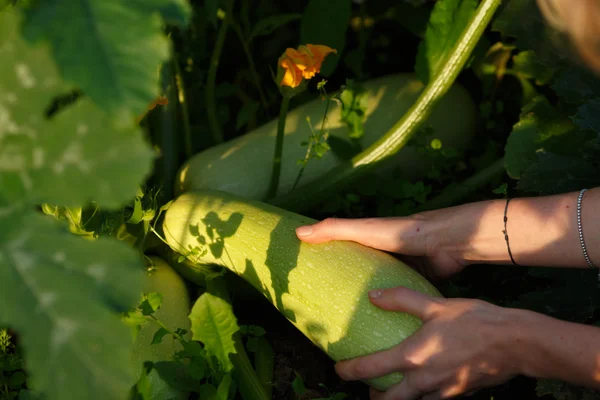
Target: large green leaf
61	294
111	49
447	22
214	324
76	156
326	22
538	123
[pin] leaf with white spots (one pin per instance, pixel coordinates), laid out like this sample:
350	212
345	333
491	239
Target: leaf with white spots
62	294
78	155
111	49
214	324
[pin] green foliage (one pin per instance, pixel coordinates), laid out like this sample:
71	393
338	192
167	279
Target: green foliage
110	49
326	22
446	24
214	324
355	100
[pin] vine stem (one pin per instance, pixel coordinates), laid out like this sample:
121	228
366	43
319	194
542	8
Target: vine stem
272	192
253	71
211	98
312	194
181	96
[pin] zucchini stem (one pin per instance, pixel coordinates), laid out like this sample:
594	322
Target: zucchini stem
312	194
274	185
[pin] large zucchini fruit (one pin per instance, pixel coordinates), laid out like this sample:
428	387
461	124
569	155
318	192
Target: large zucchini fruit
243	165
321	288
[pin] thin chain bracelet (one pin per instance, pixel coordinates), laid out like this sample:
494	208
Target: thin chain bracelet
580	230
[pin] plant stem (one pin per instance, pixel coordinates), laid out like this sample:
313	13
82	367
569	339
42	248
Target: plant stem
211	101
272	192
455	193
312	194
187	132
255	77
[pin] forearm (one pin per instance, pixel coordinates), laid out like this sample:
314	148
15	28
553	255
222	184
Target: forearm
555	349
542	231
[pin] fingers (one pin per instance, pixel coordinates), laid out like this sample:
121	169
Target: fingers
372	366
400	235
402	299
402	391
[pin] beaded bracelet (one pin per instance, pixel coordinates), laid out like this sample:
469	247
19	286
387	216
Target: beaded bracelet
580	230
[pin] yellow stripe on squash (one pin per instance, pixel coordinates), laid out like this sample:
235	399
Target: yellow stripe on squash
243	165
321	288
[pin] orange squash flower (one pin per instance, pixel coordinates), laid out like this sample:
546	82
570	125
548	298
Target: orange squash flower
303	63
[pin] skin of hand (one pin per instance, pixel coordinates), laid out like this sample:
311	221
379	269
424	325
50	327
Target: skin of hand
465	344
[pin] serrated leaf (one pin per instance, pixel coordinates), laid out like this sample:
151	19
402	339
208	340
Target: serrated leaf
447	22
538	123
266	26
111	49
62	294
152	302
326	22
64	160
213	324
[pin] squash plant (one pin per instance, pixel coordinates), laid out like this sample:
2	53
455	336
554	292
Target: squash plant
117	166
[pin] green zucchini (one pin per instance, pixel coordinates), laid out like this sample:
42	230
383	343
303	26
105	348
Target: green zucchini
321	288
243	165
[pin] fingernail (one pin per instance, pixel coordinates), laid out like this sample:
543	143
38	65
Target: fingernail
304	230
375	294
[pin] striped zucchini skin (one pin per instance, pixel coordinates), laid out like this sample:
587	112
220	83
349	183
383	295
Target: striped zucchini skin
321	288
243	165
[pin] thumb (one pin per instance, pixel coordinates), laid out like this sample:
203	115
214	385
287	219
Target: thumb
402	299
399	235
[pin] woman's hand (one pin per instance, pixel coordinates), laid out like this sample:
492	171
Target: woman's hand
463	345
420	239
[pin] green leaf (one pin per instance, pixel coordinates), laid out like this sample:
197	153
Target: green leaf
521	19
158	336
213	324
588	116
268	25
326	23
111	49
246	112
528	66
298	385
355	101
62	294
212	6
576	85
152	302
208	392
173	12
553	173
17	379
539	122
64	160
447	22
224	387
